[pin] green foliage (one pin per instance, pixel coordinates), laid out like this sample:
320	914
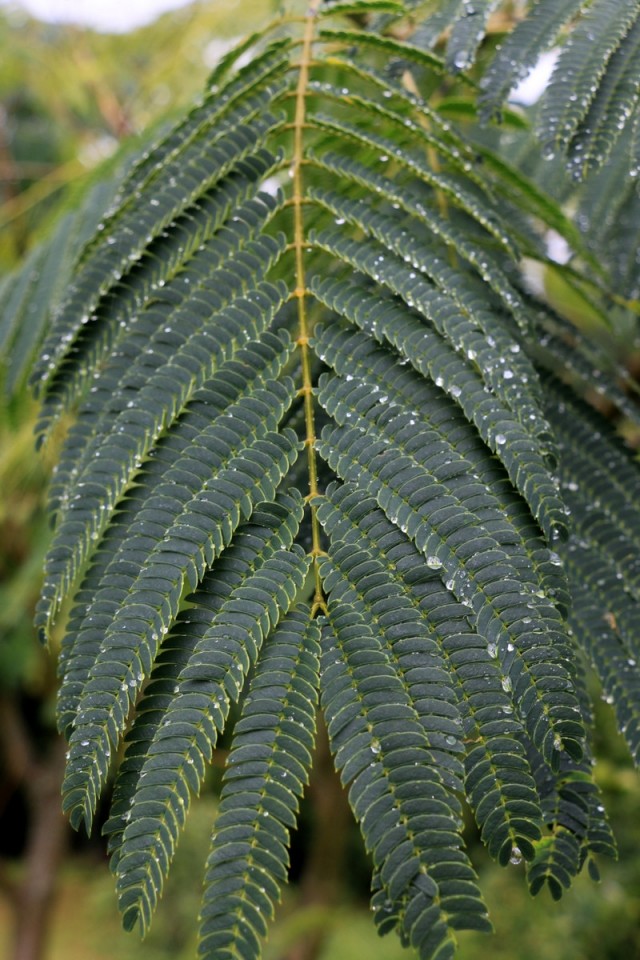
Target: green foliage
521	48
31	292
594	93
594	89
329	448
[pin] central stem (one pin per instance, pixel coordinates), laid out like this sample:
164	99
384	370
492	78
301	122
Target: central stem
301	292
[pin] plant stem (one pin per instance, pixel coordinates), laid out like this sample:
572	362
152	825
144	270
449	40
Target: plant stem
304	327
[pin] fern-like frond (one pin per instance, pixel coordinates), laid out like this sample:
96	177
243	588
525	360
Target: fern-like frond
383	601
414	203
455	376
436	129
407	469
432	26
587	59
615	101
128	366
522	47
187	522
572	808
592	98
132	433
266	772
304	367
381	751
363	7
604	195
227	645
467	32
450	188
32	292
565	351
184	176
497	780
620	244
527	197
388	45
608	213
602	554
272	528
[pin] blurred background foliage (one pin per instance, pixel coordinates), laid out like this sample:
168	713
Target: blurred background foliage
69	96
71	102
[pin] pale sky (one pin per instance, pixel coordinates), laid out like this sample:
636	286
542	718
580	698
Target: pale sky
106	15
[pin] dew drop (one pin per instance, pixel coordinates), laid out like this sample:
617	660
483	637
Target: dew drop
460	60
516	856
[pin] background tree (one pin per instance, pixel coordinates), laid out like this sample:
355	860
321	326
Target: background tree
253	281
